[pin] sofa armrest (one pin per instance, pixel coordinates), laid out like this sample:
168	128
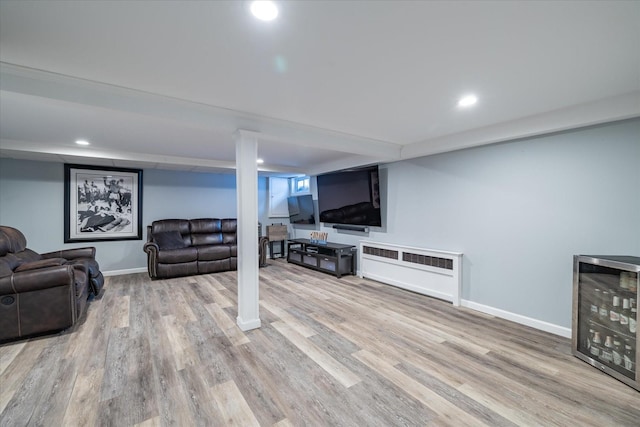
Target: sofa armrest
262	251
152	250
69	254
42	263
35	280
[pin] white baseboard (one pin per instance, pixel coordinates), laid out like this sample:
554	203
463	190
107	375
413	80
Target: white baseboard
127	271
517	318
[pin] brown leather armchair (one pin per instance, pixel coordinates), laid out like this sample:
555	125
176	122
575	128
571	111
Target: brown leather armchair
43	292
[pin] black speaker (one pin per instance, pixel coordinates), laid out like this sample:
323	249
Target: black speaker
350	227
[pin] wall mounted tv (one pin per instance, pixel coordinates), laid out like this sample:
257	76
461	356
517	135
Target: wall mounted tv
301	209
350	196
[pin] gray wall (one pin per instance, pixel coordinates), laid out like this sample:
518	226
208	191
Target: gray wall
32	193
518	211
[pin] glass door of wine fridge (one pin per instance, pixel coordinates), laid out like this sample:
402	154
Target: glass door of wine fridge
605	314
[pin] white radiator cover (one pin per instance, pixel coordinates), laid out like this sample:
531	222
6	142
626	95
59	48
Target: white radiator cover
426	271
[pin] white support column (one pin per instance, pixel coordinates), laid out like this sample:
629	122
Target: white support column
247	195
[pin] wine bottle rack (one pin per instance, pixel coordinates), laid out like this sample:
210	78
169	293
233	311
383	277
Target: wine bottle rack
605	300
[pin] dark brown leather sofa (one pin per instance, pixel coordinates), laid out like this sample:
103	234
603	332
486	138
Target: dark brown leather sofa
43	292
184	247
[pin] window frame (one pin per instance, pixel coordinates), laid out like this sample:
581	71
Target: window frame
306	185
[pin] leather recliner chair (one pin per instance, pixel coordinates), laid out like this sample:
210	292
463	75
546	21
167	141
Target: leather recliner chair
43	292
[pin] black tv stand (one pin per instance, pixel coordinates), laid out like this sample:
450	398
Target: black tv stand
331	258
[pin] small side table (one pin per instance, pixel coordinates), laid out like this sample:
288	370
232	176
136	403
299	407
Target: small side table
277	233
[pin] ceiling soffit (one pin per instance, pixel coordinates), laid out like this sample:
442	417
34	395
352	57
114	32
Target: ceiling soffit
79	92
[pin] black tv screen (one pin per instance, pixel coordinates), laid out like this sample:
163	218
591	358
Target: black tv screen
350	197
301	209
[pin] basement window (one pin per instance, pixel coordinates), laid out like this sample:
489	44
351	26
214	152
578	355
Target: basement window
300	185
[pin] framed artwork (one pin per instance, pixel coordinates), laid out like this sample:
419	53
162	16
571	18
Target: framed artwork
102	203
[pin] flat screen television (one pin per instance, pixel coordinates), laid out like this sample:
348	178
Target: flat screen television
301	209
350	196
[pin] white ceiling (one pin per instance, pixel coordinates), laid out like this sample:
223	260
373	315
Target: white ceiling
327	85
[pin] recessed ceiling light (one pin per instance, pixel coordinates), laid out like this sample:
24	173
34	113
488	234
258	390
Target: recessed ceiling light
82	142
264	10
467	101
260	161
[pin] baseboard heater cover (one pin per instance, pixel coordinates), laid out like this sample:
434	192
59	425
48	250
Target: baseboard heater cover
430	272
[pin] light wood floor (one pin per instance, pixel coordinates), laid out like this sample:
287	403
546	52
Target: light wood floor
331	352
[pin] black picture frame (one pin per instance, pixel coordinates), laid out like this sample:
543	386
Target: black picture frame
102	203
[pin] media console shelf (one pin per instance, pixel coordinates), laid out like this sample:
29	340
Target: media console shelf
332	258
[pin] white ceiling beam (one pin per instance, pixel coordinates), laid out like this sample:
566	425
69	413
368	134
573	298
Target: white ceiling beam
346	163
615	108
84	92
14	149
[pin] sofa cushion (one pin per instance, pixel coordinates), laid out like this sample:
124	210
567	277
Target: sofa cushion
212	231
175	256
229	228
205	225
213	252
177	270
11	241
168	240
5	243
180	225
8	264
43	263
214	266
28	256
205	231
229	225
200	239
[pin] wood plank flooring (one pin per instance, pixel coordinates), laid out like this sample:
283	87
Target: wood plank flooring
331	352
